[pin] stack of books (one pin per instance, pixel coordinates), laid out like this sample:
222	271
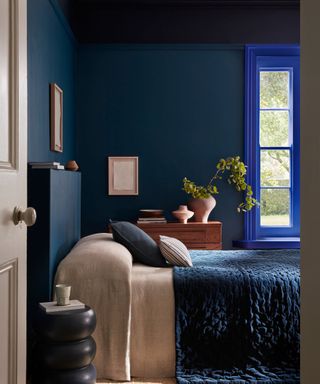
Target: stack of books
151	216
48	165
52	306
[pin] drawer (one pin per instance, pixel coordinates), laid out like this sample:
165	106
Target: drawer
208	234
192	236
207	246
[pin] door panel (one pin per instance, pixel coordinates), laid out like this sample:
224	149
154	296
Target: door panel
13	191
8	82
8	325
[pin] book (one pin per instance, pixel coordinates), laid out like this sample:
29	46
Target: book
159	221
40	163
52	306
151	219
60	166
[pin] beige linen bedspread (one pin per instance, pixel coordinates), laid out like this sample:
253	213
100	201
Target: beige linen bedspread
134	305
152	351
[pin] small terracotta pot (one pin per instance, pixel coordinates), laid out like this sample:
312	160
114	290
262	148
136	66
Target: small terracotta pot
182	214
72	165
202	208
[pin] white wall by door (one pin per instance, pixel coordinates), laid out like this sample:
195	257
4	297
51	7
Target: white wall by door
310	189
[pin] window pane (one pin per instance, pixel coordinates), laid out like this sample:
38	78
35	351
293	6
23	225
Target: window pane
275	207
275	168
274	128
274	89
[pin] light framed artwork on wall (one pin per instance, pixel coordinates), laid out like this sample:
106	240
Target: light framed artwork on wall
123	175
56	118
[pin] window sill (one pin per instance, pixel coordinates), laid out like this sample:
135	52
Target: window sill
269	243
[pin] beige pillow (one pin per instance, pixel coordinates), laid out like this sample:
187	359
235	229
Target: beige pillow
175	252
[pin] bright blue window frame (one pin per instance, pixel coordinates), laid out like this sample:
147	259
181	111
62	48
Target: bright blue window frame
272	58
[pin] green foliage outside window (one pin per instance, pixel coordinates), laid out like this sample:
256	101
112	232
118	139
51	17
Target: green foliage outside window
274	132
274	89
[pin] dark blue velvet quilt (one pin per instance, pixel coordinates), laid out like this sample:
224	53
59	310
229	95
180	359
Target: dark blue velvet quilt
237	317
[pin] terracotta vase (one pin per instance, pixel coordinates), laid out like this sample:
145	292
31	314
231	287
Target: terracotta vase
72	165
182	214
202	208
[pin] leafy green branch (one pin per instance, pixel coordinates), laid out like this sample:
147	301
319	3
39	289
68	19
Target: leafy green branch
236	176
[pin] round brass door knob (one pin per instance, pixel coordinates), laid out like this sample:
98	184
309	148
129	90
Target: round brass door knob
29	216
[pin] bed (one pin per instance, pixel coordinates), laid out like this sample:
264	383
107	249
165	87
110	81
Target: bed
155	322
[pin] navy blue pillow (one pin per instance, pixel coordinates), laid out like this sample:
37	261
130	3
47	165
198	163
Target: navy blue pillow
142	247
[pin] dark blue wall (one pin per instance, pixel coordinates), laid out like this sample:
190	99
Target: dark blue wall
51	58
178	107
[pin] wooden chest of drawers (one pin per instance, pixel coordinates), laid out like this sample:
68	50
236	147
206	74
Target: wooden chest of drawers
193	235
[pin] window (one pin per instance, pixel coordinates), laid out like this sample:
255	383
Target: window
272	144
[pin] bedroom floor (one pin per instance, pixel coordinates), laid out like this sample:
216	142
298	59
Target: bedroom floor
140	381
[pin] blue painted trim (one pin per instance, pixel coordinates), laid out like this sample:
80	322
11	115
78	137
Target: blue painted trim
257	56
57	9
272	243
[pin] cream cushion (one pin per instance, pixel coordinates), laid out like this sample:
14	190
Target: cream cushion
175	252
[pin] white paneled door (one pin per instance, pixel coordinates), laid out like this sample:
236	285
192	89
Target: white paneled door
13	189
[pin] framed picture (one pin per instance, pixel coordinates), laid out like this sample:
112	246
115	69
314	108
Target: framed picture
56	118
123	175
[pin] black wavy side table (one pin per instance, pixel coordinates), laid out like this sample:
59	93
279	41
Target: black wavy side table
64	348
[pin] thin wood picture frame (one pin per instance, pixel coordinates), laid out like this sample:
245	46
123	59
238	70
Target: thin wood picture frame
123	175
56	118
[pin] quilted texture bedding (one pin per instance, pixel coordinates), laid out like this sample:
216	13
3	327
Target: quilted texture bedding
237	317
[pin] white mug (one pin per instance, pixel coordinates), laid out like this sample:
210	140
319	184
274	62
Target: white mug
63	294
